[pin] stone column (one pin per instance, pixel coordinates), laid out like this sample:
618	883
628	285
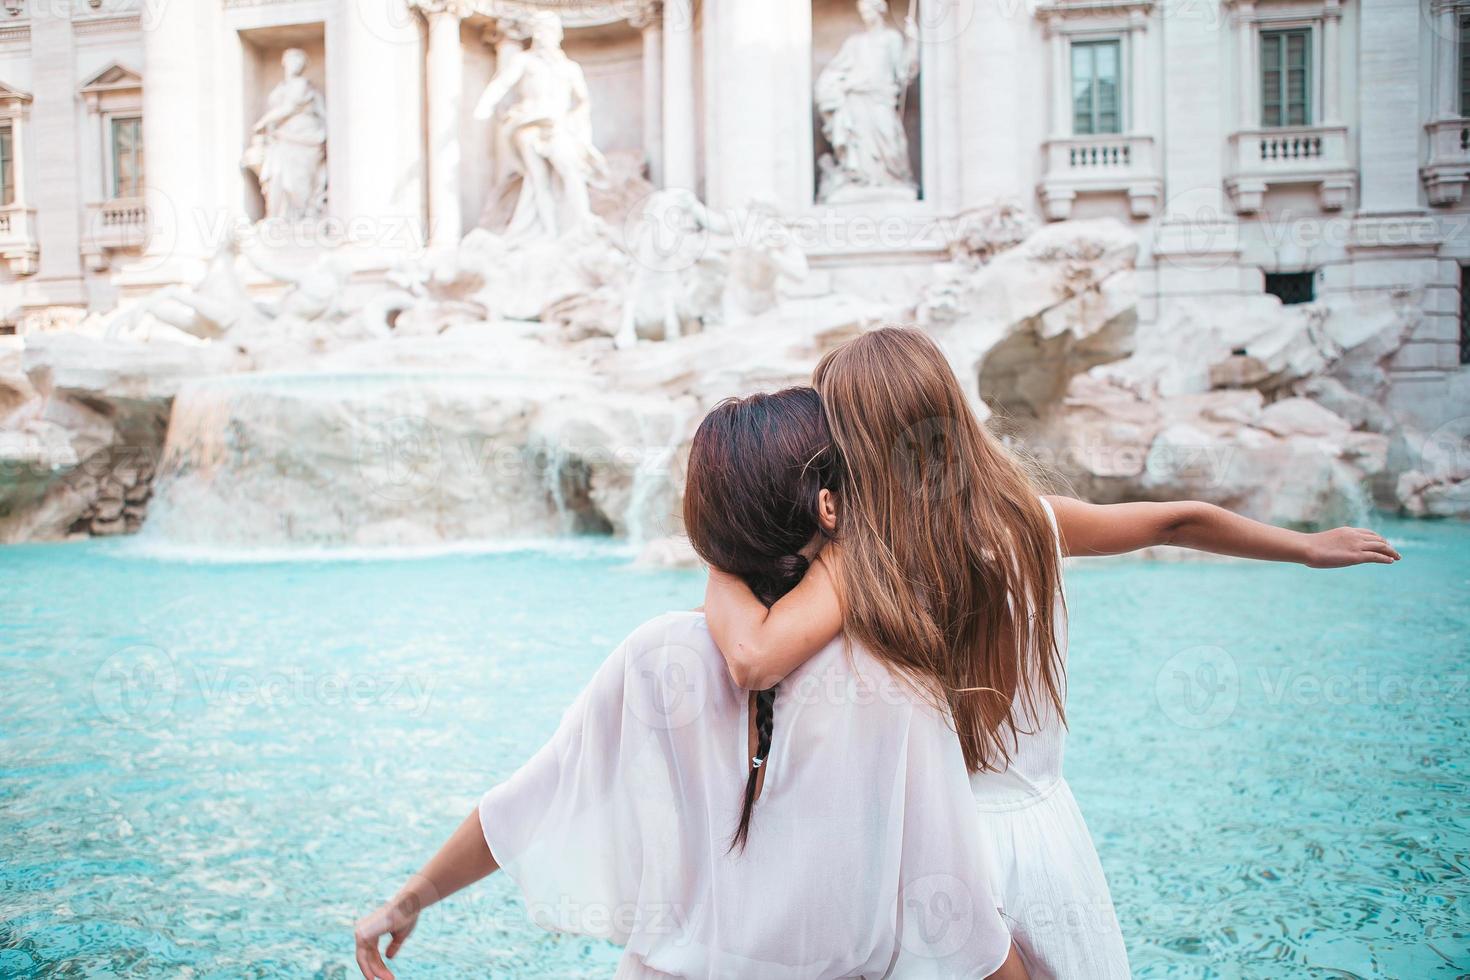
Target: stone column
1331	60
1061	80
647	20
1389	116
678	123
1139	91
53	180
374	81
1445	64
1250	79
446	86
995	133
180	55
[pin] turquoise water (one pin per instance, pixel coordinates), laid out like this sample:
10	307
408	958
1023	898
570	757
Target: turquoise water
211	770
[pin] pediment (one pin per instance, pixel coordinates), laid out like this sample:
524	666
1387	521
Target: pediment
116	77
11	96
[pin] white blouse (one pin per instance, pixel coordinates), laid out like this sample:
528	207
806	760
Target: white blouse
864	858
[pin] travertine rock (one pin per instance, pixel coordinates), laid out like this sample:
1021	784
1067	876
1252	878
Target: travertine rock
447	421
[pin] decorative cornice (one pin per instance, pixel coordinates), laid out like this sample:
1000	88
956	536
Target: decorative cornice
1085	8
112	24
1134	12
573	13
244	4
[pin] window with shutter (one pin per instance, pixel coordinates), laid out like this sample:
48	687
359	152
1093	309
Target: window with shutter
1096	88
1286	77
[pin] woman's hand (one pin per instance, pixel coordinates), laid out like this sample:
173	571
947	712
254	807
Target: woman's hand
464	859
1346	546
394	919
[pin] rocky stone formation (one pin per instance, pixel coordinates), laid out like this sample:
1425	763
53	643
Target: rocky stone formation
416	413
1290	462
429	440
1272	411
1022	321
1436	480
82	422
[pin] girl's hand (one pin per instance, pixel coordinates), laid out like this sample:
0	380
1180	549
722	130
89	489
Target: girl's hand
1346	546
394	919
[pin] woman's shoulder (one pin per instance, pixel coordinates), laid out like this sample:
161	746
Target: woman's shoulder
678	642
678	627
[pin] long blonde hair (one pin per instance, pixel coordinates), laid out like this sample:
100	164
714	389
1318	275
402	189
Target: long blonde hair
949	568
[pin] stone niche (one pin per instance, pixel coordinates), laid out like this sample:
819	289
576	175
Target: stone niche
611	57
833	21
260	60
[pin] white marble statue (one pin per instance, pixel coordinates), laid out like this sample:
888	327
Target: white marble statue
216	305
695	266
764	257
859	96
288	151
544	135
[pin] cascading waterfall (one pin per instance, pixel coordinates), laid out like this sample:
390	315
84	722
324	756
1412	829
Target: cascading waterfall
653	474
386	459
365	460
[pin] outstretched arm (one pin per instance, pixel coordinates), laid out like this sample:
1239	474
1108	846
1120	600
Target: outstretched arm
760	645
509	73
463	860
1113	529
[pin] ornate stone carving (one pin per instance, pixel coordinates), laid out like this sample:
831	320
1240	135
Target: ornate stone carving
645	13
859	96
288	152
572	13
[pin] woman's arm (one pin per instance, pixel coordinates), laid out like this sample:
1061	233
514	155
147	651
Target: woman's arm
760	645
1113	529
463	860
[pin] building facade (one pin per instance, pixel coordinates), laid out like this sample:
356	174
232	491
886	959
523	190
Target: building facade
1315	149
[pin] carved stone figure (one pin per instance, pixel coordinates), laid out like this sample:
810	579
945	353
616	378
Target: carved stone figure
288	151
859	97
694	265
216	305
544	136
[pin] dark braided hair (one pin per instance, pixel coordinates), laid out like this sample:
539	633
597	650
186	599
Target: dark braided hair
751	504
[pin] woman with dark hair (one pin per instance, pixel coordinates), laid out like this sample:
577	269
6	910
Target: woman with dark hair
861	859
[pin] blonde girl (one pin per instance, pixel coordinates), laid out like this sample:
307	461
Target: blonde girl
946	564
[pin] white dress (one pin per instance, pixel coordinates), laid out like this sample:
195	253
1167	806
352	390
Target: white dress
862	860
1047	877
